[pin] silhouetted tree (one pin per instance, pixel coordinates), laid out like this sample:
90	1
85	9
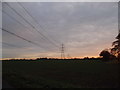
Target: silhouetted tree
112	57
116	47
105	55
86	58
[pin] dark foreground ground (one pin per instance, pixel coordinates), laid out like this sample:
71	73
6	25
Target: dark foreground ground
60	74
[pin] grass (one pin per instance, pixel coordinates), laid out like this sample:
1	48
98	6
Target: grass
61	74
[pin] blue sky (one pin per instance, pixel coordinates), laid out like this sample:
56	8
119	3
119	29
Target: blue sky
85	28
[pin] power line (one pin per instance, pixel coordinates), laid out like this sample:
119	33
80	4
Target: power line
20	37
15	46
17	21
11	45
29	23
34	20
21	16
29	41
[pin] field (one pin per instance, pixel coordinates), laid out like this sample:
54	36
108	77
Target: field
61	74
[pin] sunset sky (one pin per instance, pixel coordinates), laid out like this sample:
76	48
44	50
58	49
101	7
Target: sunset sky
85	28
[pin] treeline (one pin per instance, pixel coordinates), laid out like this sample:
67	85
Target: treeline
85	58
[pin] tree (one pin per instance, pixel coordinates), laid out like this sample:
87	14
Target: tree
105	55
116	47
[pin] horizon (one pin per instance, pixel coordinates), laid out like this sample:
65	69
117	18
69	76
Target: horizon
50	58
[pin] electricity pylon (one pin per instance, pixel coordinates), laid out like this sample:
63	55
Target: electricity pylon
62	52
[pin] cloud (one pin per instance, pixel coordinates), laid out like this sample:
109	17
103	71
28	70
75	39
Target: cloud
85	27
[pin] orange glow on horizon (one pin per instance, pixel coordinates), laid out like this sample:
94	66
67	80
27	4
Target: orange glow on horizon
50	57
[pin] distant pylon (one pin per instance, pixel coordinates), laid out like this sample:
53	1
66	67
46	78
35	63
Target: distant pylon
68	56
62	52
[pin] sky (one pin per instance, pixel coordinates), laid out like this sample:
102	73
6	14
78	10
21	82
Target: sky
85	28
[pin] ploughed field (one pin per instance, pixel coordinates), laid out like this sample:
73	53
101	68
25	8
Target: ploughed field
61	74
